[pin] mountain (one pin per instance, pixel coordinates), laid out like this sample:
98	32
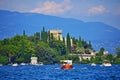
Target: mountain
12	23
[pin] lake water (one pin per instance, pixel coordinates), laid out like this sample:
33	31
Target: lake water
53	72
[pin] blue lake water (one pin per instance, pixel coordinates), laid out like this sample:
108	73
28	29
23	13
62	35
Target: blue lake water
53	72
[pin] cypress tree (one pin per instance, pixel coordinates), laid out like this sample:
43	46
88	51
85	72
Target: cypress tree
80	42
90	45
24	33
37	36
51	37
44	35
68	43
118	52
51	40
64	40
48	37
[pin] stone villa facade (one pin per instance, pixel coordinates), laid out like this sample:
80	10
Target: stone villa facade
87	56
57	34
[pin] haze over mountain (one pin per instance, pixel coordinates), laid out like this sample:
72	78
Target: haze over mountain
101	35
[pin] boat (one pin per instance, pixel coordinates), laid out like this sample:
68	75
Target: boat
37	64
23	64
40	63
15	64
66	64
1	64
93	64
106	64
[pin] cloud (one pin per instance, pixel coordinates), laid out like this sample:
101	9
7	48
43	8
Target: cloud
97	10
53	8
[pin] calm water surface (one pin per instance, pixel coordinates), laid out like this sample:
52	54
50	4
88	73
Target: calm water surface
53	72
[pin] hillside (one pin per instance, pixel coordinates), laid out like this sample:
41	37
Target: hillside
12	23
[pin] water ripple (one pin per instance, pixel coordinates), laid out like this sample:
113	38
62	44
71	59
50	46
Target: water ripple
54	72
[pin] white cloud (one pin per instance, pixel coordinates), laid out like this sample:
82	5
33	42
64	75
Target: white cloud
53	8
97	10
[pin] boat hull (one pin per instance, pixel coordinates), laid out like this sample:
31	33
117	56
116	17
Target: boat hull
15	64
107	64
66	66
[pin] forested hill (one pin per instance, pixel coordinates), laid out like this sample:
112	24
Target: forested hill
12	23
49	50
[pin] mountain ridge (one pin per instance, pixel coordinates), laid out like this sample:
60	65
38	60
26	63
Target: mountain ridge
12	23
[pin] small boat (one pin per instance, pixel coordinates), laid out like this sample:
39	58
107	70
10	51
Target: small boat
67	64
15	64
23	64
37	64
93	64
40	63
106	64
1	64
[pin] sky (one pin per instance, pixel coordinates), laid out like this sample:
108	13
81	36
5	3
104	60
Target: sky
106	11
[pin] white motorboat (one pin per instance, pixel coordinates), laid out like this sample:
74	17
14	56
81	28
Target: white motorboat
106	64
1	64
23	64
40	63
93	64
15	64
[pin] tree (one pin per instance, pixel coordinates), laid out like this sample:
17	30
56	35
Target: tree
80	42
24	33
31	38
87	51
117	59
50	38
90	45
110	58
59	46
6	41
118	52
75	42
74	58
80	50
64	40
3	59
37	37
68	43
44	35
9	51
101	51
100	57
25	50
45	55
